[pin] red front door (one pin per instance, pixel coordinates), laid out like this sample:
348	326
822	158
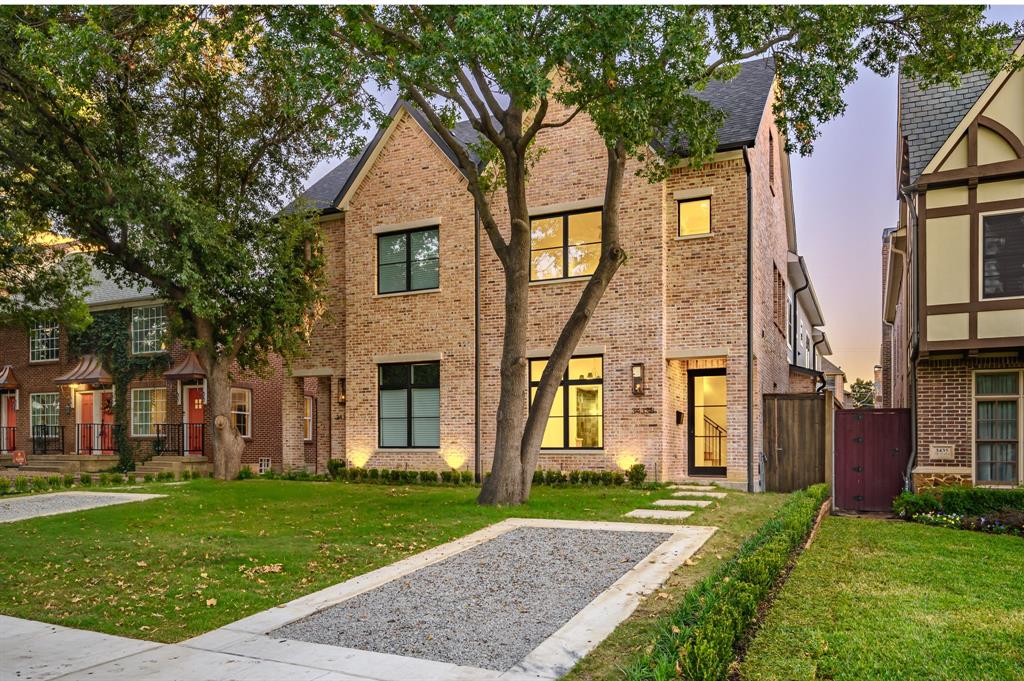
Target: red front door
10	421
106	444
86	435
196	413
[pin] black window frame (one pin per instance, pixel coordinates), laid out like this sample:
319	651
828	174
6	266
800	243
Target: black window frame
565	241
407	233
679	211
564	384
408	387
981	283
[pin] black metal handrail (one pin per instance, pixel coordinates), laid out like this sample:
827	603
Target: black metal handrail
716	439
47	439
97	438
180	439
8	439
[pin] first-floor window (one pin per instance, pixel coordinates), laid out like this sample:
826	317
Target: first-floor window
409	404
241	410
44	414
575	420
149	409
307	419
996	432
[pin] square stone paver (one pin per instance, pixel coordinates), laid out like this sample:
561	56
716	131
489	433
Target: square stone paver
658	513
695	488
699	503
713	495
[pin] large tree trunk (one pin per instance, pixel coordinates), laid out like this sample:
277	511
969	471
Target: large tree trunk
227	443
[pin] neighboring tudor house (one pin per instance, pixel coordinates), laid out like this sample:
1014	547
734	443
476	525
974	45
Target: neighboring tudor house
953	293
673	366
59	393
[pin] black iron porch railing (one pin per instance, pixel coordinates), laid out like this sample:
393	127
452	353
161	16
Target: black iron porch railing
47	439
97	438
714	442
180	439
7	439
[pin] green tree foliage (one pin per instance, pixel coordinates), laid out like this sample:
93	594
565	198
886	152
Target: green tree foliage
163	138
863	393
633	71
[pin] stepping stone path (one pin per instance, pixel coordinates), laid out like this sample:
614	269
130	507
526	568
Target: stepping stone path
694	488
701	503
658	513
713	495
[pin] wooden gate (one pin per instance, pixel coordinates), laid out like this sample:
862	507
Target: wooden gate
797	429
872	446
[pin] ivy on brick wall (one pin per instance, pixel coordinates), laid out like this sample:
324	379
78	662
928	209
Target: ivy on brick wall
109	338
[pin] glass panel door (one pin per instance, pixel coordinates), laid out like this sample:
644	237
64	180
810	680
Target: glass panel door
707	423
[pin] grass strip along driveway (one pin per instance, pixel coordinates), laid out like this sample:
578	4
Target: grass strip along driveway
213	552
873	599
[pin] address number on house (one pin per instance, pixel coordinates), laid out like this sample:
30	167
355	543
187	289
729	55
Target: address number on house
644	410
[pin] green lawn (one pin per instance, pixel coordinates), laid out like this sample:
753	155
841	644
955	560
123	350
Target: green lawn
172	568
876	599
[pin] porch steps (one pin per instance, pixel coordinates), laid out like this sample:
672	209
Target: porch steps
173	464
713	495
659	514
697	503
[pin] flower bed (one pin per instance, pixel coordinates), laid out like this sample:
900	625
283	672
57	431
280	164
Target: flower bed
998	511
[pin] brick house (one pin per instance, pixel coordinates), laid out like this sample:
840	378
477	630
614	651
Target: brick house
59	393
953	293
697	325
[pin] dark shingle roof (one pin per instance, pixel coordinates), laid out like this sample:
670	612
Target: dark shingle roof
928	117
742	98
106	291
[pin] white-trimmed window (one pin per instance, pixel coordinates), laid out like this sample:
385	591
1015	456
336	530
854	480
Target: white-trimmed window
44	342
307	419
44	411
149	409
264	464
241	410
149	326
997	399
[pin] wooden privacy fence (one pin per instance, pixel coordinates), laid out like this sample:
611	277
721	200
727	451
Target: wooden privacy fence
797	440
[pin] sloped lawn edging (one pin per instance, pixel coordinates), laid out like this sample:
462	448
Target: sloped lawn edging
698	640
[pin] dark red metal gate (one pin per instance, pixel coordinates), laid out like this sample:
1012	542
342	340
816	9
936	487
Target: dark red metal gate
872	446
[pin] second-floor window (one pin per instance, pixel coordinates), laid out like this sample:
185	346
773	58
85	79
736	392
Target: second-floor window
565	246
149	326
694	216
408	261
1002	273
44	342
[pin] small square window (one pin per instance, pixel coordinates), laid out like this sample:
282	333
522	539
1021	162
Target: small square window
264	465
695	217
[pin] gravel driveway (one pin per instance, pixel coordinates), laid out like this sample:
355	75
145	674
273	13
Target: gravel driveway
488	606
22	508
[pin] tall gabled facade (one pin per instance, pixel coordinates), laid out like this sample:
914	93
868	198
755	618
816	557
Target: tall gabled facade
670	373
953	268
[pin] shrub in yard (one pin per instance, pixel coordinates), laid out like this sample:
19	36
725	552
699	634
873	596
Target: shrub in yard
5	485
245	473
980	500
148	477
374	474
335	467
907	504
186	474
698	639
118	479
21	484
429	477
54	481
466	477
607	478
85	479
69	480
636	474
619	479
40	484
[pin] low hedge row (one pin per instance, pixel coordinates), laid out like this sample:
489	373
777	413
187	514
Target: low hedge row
578	478
965	501
24	484
384	476
698	640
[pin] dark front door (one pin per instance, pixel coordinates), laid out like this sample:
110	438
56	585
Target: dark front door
872	446
708	435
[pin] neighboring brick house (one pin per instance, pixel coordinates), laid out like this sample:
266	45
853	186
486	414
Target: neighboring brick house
58	401
953	292
405	364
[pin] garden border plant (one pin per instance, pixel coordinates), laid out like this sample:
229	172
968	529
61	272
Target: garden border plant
698	640
982	509
24	484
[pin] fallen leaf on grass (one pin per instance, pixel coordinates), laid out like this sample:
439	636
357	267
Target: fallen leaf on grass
210	602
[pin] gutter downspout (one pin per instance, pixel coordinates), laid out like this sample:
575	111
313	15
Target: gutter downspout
814	354
796	314
476	344
750	323
908	194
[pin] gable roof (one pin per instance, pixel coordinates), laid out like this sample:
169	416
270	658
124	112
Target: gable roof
106	291
929	117
742	98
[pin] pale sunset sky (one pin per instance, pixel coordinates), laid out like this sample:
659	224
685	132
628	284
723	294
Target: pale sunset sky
844	194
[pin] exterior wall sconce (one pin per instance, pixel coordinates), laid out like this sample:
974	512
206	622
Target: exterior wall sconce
341	390
637	379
